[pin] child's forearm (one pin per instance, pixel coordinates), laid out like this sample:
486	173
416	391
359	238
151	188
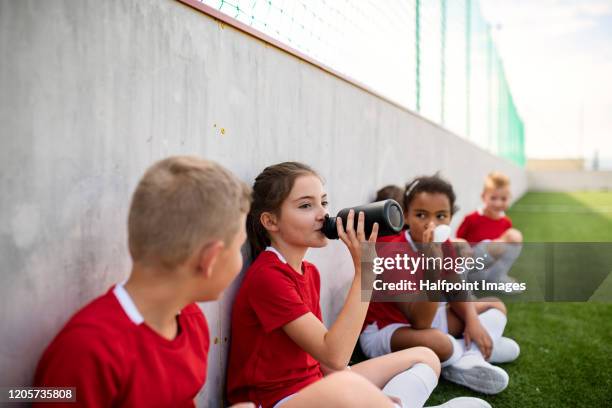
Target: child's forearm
420	314
465	310
343	334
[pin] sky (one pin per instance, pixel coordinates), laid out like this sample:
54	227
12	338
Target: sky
557	55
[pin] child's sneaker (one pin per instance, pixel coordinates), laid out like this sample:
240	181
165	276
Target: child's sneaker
473	372
464	402
505	350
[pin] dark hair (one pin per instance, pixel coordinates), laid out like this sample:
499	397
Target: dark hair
391	191
429	184
271	188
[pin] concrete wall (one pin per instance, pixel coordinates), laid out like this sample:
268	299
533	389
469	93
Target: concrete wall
93	92
567	181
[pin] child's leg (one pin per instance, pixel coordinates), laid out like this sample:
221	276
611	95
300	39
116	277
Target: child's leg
381	369
505	349
436	338
341	389
492	315
407	337
410	375
420	314
498	271
484	304
511	236
499	256
395	337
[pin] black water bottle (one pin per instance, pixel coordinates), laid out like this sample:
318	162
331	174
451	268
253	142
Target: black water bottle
387	213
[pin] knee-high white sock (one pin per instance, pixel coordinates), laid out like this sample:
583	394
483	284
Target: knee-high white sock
494	322
413	386
457	352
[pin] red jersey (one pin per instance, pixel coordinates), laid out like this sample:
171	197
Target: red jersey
477	227
265	365
114	358
385	313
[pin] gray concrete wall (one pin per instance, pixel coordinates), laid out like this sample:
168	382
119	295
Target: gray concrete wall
93	92
567	180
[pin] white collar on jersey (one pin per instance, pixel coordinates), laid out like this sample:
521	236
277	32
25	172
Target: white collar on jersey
481	212
127	303
410	241
278	254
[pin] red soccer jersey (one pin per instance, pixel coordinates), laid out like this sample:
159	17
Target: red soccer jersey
477	227
265	365
385	313
115	359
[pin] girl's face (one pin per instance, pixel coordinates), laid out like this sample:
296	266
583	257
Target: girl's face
425	209
302	214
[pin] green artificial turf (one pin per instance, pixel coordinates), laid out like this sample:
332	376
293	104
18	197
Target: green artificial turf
564	217
566	348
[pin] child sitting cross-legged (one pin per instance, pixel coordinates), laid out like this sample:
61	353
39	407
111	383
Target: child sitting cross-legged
489	231
464	335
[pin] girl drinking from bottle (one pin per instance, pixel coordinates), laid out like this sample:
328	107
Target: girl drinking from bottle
281	354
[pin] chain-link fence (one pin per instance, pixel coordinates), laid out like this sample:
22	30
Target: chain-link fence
436	57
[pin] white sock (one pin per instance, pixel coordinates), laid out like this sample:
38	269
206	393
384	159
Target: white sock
457	352
413	386
494	322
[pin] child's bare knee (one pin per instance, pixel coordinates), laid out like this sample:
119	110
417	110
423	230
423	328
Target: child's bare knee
499	305
427	356
488	303
513	236
444	347
439	343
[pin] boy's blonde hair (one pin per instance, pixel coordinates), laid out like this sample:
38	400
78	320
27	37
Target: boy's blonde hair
496	180
180	204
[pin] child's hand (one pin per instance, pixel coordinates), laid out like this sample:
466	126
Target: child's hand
433	250
475	332
429	233
243	405
353	239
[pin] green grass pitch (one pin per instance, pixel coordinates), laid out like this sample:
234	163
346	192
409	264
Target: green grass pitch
566	348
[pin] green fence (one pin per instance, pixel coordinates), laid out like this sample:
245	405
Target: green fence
436	57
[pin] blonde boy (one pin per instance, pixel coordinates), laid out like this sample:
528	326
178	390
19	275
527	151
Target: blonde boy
490	228
145	342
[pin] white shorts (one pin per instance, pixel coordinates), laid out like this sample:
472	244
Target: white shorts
440	320
376	342
287	398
